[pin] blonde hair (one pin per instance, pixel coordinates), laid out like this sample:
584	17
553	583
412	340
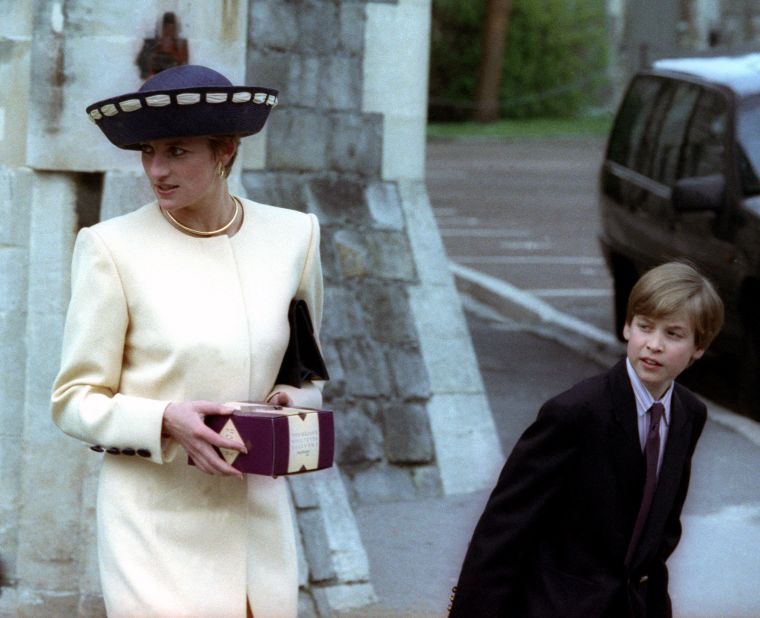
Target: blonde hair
219	143
676	287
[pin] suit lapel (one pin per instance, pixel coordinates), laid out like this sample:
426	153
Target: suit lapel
626	446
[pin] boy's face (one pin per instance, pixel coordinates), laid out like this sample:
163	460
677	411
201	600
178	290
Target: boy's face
660	348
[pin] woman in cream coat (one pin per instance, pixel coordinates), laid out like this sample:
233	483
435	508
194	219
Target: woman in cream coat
175	308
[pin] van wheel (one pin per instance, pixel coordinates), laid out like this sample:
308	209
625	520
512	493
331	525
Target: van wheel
624	278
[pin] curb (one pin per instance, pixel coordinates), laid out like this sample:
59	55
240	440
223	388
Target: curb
515	304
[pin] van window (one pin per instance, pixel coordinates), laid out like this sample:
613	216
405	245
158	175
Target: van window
631	120
667	152
748	128
704	149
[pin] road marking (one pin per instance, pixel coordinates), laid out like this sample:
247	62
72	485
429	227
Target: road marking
584	260
524	245
484	233
570	293
456	221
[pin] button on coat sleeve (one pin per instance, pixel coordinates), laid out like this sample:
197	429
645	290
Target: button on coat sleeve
86	402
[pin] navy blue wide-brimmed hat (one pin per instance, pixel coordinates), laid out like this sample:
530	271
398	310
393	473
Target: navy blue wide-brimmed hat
184	101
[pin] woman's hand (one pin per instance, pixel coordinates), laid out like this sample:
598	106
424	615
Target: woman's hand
184	423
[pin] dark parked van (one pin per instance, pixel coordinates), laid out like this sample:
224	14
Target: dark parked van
680	179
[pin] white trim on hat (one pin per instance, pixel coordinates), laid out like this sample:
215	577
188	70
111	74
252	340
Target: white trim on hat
130	105
188	98
241	97
158	100
109	110
216	97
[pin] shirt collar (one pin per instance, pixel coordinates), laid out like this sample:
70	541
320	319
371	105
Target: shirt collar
644	399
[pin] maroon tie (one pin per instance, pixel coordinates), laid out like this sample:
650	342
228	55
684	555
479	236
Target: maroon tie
652	455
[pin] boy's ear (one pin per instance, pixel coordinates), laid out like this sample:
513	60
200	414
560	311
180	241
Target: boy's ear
698	353
626	331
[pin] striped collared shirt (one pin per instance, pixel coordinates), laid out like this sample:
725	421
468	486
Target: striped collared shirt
644	401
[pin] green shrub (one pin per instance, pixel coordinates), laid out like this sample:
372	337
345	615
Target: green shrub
554	65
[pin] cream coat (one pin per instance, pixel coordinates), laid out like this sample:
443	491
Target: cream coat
159	316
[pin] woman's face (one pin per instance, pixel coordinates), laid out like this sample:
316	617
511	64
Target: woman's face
182	172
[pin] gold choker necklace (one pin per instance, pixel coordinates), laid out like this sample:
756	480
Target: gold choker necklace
202	234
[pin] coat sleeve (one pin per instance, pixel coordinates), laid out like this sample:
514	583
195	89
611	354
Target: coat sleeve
530	479
310	289
86	402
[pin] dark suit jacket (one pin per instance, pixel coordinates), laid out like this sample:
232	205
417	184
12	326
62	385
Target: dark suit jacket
552	539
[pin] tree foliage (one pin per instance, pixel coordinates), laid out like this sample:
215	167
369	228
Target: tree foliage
555	58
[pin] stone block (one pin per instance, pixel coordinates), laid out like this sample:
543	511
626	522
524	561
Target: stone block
384	206
430	257
15	66
316	545
336	385
44	603
273	24
427	481
262	187
343	316
12	371
339	202
409	373
15	206
386	308
318	31
382	483
304	572
10	464
356	144
366	368
303	494
91	606
306	606
52	230
89	580
292	192
407	434
346	549
270	68
392	257
340	86
351	18
444	340
123	192
13	279
297	140
357	438
466	443
343	597
352	254
395	82
304	76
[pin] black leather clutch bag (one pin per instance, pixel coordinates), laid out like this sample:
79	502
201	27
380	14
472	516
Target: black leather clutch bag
302	361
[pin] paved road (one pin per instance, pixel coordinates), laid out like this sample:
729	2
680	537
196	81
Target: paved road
525	211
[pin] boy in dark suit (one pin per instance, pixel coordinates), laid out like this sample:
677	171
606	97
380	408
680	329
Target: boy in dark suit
587	508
